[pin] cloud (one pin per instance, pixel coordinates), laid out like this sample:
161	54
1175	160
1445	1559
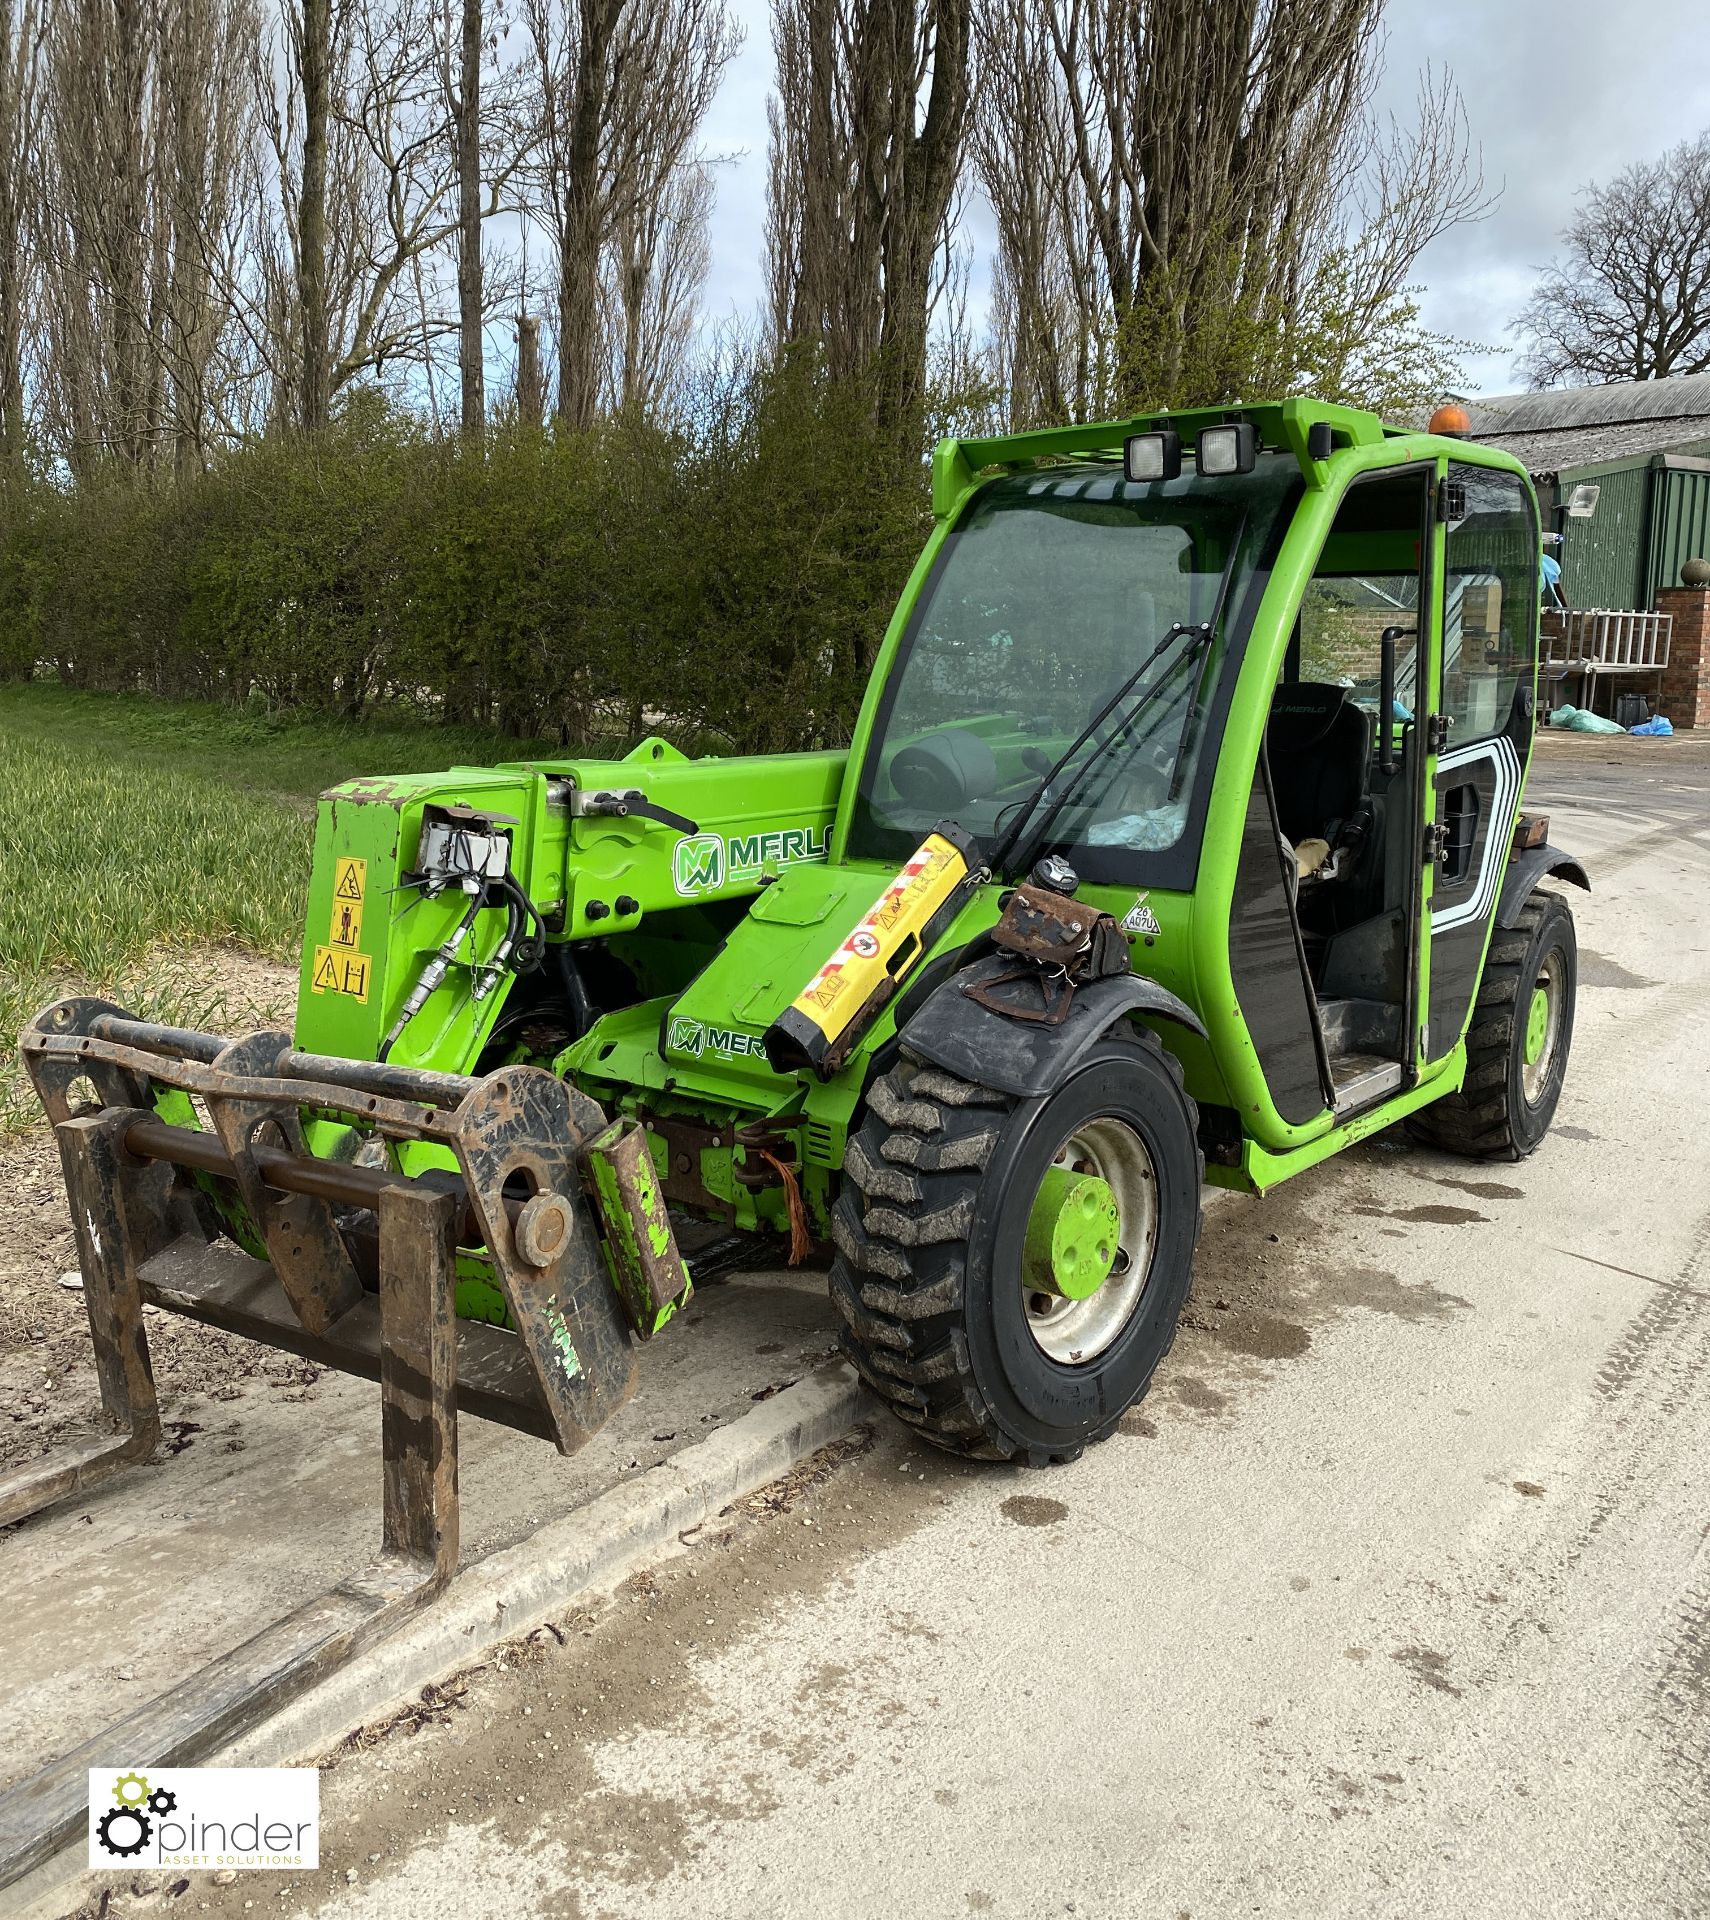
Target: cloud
1557	94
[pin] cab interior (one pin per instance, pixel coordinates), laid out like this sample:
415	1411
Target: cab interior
1339	771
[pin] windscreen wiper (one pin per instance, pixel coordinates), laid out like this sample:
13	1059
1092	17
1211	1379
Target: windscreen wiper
1015	850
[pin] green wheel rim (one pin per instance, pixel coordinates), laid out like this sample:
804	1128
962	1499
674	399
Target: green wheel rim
1537	1025
1541	1041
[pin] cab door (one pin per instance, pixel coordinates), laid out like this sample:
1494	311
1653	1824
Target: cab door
1483	687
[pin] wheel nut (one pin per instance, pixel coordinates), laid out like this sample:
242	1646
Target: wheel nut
543	1229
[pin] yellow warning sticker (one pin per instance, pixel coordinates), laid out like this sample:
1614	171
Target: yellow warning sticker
336	972
346	928
350	876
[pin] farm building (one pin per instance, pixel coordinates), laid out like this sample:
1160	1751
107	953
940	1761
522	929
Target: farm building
1623	475
1636	453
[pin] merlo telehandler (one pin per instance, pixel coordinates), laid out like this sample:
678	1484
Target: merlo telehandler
1178	839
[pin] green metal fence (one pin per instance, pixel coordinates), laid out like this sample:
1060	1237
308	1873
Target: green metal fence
1679	520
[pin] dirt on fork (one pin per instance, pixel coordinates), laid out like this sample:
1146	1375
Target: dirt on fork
48	1390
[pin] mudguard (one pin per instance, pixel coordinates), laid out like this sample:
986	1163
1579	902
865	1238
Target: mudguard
1526	869
956	1033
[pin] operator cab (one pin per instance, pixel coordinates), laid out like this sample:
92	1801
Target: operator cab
1323	927
1087	638
1348	980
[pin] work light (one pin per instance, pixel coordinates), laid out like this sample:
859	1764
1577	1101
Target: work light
1231	449
1152	456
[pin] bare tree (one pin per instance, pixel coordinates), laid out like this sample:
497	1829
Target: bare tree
621	87
206	108
1351	328
471	314
866	143
531	389
142	193
366	197
928	57
1144	262
95	236
1051	312
1631	298
964	394
309	29
22	28
656	264
1191	218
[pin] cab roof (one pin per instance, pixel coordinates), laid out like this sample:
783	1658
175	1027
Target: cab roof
1283	424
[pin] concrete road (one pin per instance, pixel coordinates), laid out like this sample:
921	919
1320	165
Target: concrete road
112	1600
1393	1598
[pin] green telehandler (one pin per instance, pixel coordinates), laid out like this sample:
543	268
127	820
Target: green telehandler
1178	840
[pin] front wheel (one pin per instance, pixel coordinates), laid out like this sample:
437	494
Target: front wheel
1010	1272
1517	1040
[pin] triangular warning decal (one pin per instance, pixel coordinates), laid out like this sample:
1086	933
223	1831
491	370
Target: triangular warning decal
326	974
349	885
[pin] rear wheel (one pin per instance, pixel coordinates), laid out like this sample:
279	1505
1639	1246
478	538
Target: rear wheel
1010	1272
1518	1040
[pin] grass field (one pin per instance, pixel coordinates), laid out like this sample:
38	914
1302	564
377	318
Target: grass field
130	826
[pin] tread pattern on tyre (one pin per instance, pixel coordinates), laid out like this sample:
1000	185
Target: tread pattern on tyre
901	1224
1476	1121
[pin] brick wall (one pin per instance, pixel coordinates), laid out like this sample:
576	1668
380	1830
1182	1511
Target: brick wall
1686	684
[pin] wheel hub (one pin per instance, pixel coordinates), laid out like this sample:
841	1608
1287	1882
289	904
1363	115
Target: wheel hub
1072	1235
1088	1245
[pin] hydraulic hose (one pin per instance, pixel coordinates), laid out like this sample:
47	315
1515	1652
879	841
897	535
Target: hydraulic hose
432	974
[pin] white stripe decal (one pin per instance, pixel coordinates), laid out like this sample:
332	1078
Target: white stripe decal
1494	858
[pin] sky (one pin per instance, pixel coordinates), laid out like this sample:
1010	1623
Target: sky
1558	92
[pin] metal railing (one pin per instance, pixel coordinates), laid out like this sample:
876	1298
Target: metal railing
1601	640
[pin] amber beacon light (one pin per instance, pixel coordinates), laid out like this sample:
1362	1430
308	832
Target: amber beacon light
1452	419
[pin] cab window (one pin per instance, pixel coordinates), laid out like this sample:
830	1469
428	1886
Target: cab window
1490	603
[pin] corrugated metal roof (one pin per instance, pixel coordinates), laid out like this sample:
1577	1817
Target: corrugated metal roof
1565	447
1556	408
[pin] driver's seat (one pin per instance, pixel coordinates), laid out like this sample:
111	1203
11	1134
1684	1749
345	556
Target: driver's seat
1319	745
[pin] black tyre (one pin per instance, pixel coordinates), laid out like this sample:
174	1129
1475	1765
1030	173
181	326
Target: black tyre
1517	1041
935	1270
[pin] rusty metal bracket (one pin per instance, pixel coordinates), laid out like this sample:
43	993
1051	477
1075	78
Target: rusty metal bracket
300	1231
92	1156
685	1140
54	1072
1054	986
521	1132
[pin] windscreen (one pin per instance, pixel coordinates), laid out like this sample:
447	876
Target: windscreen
1052	591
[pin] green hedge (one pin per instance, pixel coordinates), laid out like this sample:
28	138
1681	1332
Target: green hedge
727	581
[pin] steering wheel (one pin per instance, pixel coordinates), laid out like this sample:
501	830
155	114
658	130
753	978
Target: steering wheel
945	770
